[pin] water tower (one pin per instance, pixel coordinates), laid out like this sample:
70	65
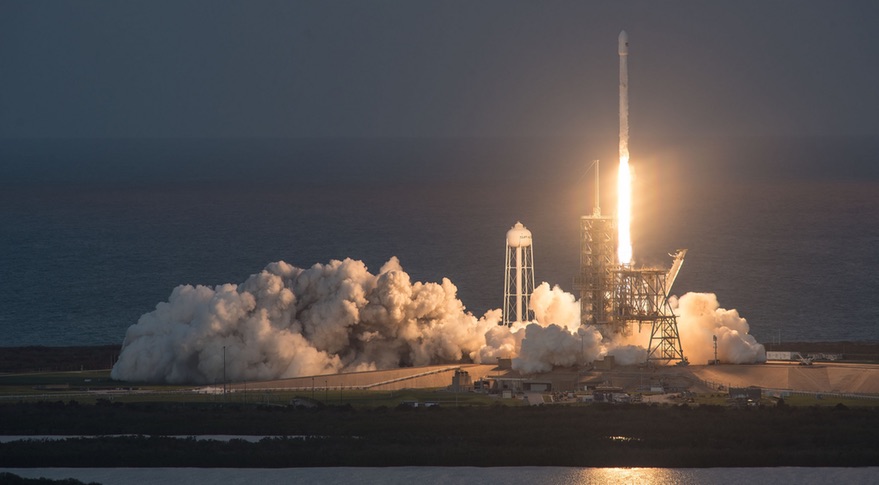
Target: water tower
519	276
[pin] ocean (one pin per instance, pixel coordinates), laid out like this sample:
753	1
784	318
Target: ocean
95	233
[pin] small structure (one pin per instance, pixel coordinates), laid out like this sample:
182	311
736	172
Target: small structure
609	394
537	386
514	384
751	393
606	363
461	381
418	404
776	355
589	383
482	385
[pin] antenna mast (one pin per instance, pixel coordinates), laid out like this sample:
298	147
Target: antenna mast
597	208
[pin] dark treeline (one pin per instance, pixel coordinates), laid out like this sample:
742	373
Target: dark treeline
12	479
596	436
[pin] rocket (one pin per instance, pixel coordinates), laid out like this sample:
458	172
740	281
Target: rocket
623	49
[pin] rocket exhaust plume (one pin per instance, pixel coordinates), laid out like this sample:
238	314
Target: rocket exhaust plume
338	317
286	321
624	176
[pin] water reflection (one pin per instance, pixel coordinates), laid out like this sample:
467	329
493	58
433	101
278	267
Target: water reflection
635	476
457	475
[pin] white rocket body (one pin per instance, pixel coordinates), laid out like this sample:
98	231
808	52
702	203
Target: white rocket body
624	95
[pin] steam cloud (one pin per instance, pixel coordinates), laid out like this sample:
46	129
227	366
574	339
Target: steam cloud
701	318
338	317
287	321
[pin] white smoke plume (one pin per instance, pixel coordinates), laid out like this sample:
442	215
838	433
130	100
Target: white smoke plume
338	317
287	321
555	306
557	340
546	347
700	318
502	342
628	354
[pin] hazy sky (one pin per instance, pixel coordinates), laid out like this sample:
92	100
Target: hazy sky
435	68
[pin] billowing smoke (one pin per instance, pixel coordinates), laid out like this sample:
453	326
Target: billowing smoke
338	317
287	321
545	347
555	306
628	354
556	339
701	318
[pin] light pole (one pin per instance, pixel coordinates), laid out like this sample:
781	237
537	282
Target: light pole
326	391
224	372
312	388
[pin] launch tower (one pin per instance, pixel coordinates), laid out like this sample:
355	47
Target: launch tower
598	258
616	297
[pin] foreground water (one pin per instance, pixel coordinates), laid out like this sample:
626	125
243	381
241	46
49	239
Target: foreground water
95	234
459	475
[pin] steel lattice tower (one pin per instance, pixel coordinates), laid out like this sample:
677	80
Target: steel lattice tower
519	276
641	297
598	248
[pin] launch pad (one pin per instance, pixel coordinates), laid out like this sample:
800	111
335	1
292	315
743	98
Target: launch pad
616	297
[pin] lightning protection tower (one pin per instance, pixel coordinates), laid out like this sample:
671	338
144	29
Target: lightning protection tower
519	276
598	259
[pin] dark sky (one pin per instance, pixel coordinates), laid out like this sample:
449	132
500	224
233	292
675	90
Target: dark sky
441	68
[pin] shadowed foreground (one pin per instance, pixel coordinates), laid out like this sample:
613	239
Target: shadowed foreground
591	436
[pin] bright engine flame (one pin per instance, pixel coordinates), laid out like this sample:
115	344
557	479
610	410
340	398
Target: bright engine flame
624	211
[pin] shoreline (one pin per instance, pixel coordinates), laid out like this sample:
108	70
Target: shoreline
492	436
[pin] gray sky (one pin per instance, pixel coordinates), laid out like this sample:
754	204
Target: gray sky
442	68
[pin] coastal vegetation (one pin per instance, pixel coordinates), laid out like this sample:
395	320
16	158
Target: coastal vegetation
117	424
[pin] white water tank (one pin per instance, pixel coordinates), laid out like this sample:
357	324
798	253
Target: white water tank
518	276
518	236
